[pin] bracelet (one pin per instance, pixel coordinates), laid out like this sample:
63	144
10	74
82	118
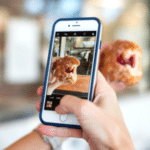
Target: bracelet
54	142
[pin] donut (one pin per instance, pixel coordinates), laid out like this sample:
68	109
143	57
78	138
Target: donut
120	61
65	69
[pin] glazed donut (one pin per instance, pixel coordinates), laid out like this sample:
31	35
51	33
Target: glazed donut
121	62
65	68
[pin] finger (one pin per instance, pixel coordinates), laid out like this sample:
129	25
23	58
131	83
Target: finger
38	105
71	104
52	79
101	84
55	59
117	86
105	96
83	110
40	91
52	63
59	132
52	87
105	46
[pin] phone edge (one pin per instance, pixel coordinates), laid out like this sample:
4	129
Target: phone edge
49	62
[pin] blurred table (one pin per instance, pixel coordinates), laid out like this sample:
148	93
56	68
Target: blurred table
12	108
82	85
17	101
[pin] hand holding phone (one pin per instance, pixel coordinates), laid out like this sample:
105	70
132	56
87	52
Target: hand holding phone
102	123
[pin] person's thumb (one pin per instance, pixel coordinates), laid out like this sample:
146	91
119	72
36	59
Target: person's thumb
71	104
85	111
81	108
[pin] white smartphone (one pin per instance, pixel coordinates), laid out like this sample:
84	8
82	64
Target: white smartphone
71	67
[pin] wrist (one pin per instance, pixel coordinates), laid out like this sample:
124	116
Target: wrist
55	143
41	140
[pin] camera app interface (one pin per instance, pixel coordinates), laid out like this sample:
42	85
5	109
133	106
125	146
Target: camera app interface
71	66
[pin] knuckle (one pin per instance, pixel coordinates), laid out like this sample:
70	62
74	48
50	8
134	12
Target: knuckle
84	105
111	92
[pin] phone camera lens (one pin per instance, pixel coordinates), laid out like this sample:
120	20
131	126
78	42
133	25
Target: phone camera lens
68	25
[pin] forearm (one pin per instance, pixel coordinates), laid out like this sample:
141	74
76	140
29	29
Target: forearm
31	141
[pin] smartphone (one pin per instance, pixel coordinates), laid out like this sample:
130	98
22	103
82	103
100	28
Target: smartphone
75	42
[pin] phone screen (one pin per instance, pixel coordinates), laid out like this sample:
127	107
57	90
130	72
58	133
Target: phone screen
74	51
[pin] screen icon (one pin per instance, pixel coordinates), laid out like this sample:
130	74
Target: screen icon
84	33
65	34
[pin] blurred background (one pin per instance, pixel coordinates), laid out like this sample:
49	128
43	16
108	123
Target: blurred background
25	29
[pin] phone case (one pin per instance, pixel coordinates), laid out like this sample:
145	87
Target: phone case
98	45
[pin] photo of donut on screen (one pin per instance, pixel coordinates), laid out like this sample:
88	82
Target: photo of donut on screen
71	66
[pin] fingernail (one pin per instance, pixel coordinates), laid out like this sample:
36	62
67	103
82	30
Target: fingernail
40	129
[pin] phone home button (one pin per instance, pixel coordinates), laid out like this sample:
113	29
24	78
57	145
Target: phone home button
63	118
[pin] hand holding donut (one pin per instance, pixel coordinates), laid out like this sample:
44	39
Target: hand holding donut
63	70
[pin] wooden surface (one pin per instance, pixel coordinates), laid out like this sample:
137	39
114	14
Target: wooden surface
82	85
